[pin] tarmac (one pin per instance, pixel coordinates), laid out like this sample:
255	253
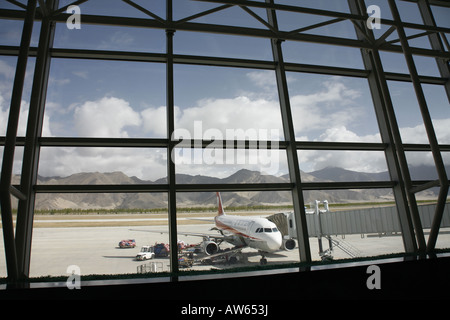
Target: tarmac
56	251
94	250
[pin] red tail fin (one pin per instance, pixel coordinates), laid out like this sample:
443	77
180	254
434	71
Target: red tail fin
219	203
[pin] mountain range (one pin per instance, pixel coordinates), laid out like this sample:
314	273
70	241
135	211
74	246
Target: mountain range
202	199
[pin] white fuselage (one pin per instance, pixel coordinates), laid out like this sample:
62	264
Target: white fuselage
257	233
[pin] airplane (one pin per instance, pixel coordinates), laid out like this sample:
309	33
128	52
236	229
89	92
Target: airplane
241	232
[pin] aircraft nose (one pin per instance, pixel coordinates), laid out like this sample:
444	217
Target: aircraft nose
275	242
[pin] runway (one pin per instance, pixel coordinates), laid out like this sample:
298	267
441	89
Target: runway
94	250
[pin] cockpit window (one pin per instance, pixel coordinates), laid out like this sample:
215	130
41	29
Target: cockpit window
259	230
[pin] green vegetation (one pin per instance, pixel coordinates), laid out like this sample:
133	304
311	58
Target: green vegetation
71	211
68	211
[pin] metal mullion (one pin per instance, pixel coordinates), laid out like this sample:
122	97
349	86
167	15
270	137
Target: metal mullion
348	185
317	25
321	12
108	55
103	142
424	147
407	78
12	259
291	150
143	10
390	135
435	42
101	188
223	62
244	31
217	61
62	9
139	22
355	146
233	187
171	179
235	144
17	3
25	212
203	13
258	18
211	28
417	51
428	128
414	36
288	8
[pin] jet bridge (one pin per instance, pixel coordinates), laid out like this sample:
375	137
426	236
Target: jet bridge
323	223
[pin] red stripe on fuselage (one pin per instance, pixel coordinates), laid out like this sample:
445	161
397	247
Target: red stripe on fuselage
223	226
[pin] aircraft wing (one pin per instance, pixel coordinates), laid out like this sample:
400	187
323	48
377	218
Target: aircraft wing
194	234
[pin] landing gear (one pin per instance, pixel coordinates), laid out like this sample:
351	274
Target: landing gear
263	260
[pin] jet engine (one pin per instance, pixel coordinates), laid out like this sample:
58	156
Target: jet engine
210	247
288	244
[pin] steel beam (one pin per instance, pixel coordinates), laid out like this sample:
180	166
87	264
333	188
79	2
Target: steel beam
389	131
170	105
25	212
10	145
291	150
436	43
431	134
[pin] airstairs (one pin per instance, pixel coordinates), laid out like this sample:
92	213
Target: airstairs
344	246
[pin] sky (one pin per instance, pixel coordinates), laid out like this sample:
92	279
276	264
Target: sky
88	98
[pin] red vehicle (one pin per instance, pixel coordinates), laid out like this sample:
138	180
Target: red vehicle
130	243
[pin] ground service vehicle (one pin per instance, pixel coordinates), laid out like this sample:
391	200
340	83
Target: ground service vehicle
130	243
146	253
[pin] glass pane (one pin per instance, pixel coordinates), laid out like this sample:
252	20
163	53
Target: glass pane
421	165
232	16
409	12
407	112
341	226
339	166
443	240
289	21
7	74
426	66
332	108
68	166
322	54
85	231
438	106
119	8
246	212
441	15
393	62
10	32
219	165
219	45
96	37
93	98
338	5
212	100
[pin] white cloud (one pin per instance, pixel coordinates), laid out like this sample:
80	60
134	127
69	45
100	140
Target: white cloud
23	117
332	106
230	115
107	117
6	70
342	134
418	133
146	164
154	121
326	114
